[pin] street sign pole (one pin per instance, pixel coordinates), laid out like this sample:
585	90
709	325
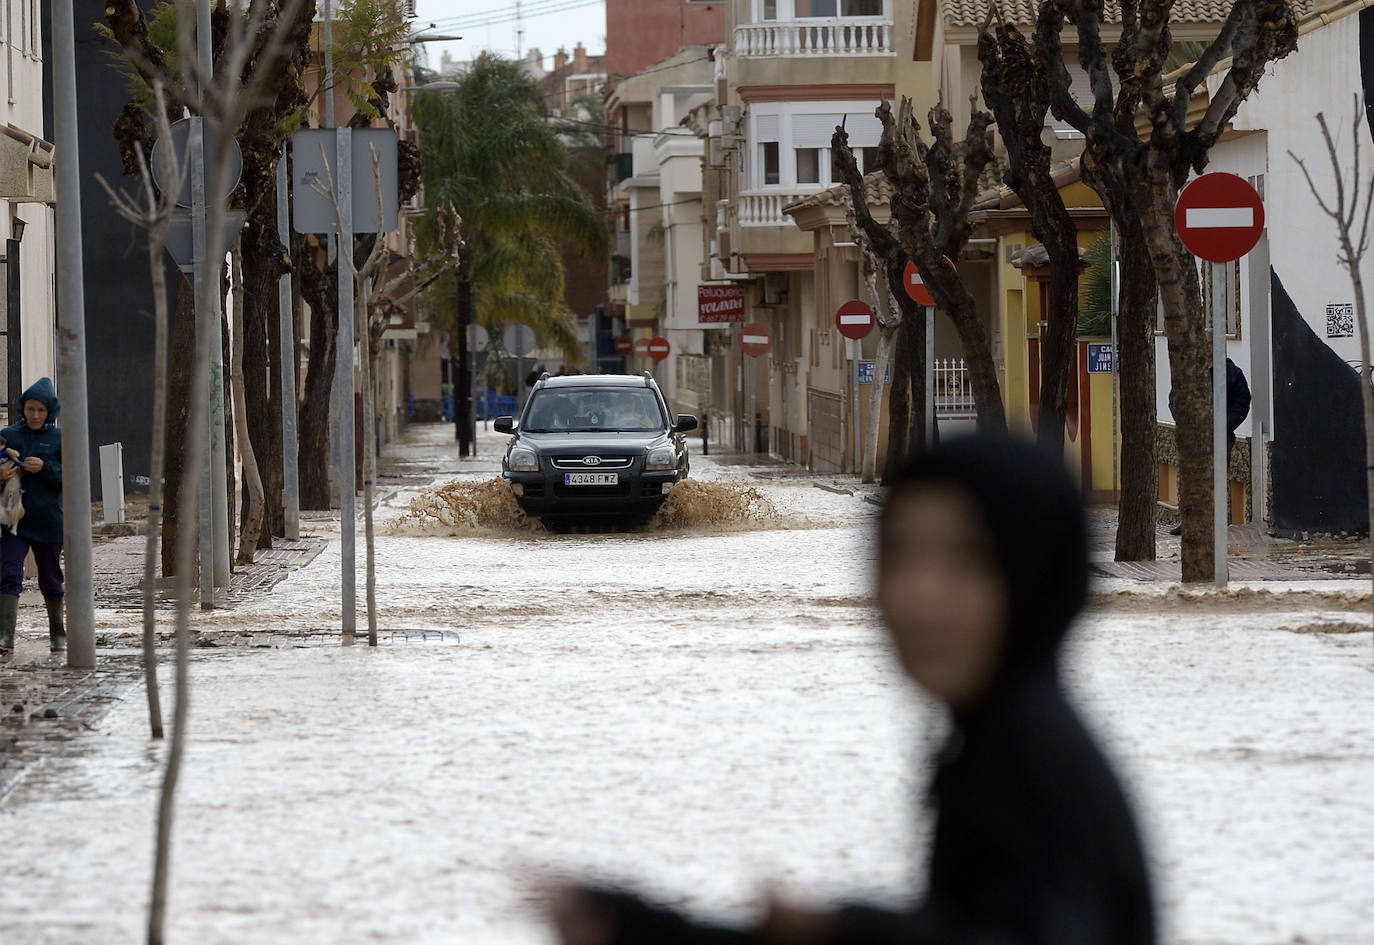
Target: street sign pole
858	433
1219	217
291	492
1114	291
343	182
71	354
930	376
1220	493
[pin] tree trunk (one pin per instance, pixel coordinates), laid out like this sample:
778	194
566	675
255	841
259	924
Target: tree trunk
157	242
262	268
1138	302
1057	354
369	438
313	420
875	404
1181	296
899	399
982	370
252	492
179	396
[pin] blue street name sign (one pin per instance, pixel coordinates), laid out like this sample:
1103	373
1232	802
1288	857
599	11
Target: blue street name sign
1099	359
867	370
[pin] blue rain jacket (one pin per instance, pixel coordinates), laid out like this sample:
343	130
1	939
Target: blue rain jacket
42	519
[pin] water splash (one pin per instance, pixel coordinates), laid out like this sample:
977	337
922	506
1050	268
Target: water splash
694	504
463	508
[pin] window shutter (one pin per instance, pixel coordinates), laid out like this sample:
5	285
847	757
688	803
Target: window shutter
813	131
767	127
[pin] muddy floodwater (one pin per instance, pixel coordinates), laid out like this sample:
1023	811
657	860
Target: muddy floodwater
704	704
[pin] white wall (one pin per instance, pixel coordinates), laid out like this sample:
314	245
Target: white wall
21	76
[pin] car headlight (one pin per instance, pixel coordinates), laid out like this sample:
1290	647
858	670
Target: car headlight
524	461
662	458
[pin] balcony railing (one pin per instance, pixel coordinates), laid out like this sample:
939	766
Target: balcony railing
866	37
765	209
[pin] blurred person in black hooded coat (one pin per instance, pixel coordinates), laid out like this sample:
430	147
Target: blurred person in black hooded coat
983	567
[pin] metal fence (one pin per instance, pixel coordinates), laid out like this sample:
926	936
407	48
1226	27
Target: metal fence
953	389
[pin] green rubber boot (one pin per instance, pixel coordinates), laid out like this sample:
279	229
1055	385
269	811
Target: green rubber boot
57	631
9	615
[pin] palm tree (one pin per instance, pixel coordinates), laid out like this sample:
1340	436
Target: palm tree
498	174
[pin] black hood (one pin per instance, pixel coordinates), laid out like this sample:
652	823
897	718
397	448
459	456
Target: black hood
1034	511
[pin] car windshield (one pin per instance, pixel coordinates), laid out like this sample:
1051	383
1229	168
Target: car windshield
584	409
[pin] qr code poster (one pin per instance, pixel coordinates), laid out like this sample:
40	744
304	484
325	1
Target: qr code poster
1340	320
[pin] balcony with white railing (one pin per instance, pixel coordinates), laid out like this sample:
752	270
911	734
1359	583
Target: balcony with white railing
764	208
868	36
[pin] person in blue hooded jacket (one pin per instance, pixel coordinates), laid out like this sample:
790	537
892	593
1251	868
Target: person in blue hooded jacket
39	443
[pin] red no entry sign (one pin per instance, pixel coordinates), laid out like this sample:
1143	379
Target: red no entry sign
755	340
641	348
1219	217
854	319
623	346
915	285
659	348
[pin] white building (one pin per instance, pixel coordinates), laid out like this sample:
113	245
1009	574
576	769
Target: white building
26	214
1289	302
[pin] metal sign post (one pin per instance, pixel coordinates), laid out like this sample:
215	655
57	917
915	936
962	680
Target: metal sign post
1219	217
858	419
343	192
930	376
1220	493
291	492
71	368
1114	291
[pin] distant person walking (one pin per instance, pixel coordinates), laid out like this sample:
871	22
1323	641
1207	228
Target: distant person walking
39	443
983	567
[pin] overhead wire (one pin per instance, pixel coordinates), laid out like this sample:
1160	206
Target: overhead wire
510	14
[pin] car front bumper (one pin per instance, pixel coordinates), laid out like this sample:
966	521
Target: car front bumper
544	494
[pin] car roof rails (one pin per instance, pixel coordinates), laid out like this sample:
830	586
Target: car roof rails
543	379
648	379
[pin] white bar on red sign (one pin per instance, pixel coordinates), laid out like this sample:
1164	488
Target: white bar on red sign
755	339
1214	218
855	319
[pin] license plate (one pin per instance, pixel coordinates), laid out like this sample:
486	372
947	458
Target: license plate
591	479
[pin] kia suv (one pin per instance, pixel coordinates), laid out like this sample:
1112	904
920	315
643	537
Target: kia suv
594	445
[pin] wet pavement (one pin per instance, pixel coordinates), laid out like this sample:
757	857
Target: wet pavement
704	705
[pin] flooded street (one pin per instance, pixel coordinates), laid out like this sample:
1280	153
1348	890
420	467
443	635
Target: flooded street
703	705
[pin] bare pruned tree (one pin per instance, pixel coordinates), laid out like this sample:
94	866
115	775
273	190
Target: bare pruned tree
260	35
1349	209
1152	170
151	211
935	185
1018	92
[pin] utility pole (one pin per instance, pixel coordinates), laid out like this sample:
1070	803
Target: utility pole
71	321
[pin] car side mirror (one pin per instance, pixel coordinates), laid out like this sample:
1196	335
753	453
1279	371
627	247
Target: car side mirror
504	425
685	423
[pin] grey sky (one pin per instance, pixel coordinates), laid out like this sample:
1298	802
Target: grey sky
547	25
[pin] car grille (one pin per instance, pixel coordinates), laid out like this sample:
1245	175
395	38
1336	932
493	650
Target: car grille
607	463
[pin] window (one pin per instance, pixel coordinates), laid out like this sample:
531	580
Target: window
770	9
809	165
769	162
868	160
861	7
810	8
